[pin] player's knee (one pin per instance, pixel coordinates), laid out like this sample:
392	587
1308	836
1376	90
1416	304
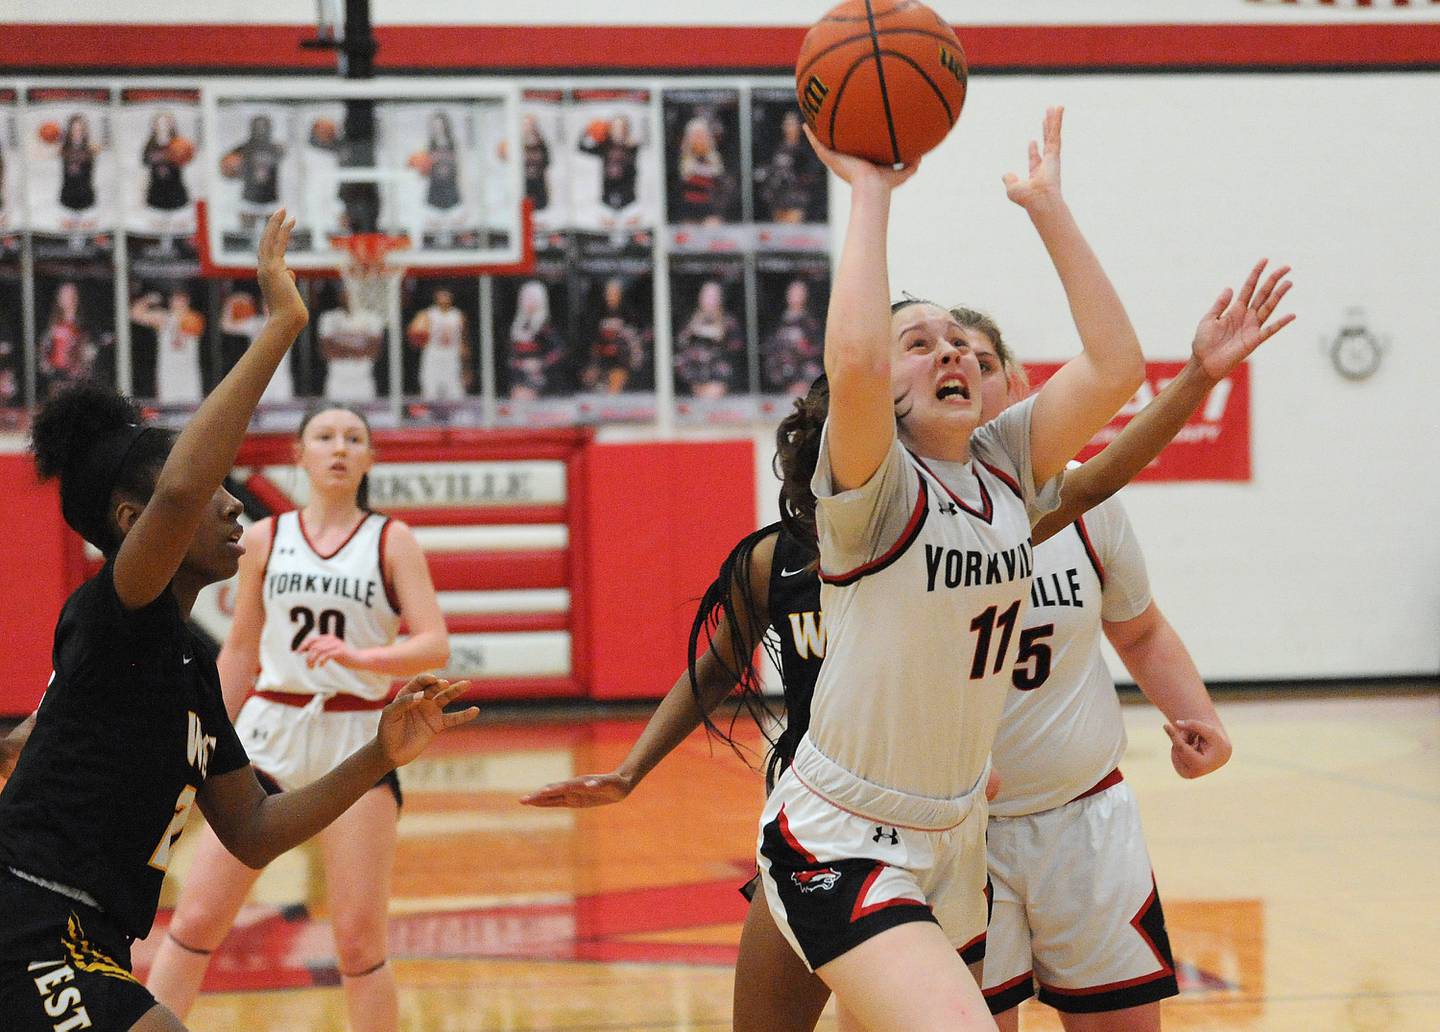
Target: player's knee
359	942
200	926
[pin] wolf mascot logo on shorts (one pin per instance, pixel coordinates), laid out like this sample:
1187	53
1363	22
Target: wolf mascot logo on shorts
822	880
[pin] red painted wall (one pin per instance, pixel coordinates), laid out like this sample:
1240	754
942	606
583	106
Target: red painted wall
661	518
657	520
36	550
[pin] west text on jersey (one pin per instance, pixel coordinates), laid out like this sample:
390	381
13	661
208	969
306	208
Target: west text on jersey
356	589
957	568
65	1004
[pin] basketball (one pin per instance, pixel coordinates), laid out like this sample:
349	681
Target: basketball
180	151
50	132
192	324
418	332
240	307
598	130
324	131
230	165
882	80
421	162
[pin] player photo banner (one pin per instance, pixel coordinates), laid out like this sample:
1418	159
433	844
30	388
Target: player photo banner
13	397
537	361
613	185
255	168
11	184
790	197
70	160
546	158
439	358
709	320
159	151
704	199
74	313
614	322
1213	445
792	293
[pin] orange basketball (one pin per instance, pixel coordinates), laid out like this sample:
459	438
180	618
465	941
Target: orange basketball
50	132
192	324
598	130
883	80
323	130
180	151
421	162
231	165
240	306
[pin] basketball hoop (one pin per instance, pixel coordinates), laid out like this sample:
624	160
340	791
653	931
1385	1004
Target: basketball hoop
369	271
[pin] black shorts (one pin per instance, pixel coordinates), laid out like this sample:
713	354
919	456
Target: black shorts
390	781
63	964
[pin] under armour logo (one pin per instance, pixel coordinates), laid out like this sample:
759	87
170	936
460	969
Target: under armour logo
948	509
881	833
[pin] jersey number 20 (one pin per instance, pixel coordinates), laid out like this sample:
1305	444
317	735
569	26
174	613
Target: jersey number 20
331	621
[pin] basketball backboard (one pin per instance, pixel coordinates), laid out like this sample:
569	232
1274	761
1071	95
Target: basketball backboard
434	163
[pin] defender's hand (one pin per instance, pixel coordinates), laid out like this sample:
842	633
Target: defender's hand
586	790
277	282
417	715
1041	189
1237	323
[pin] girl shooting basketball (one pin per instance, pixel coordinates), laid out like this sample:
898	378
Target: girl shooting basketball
132	730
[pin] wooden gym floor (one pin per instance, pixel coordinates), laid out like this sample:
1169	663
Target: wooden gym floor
1299	882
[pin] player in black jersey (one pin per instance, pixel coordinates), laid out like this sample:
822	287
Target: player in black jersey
768	593
132	730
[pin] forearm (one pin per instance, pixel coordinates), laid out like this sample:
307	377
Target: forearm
281	822
1165	673
677	716
1106	334
238	669
408	656
857	334
205	451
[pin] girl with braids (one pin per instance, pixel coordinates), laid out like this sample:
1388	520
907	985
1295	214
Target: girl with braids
773	989
308	666
132	730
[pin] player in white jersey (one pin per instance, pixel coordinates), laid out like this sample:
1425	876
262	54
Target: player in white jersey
439	331
875	833
177	329
239	317
320	598
350	341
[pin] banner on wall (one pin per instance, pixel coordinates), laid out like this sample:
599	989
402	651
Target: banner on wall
1213	445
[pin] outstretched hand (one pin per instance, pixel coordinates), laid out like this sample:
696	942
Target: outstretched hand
1041	189
418	714
583	791
1197	747
277	282
855	170
1236	323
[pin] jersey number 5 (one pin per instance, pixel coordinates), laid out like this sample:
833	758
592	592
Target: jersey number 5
331	621
1033	646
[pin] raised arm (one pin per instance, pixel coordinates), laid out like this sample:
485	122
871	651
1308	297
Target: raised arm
1161	665
146	311
160	535
426	647
684	707
857	330
239	660
1228	334
257	828
1086	392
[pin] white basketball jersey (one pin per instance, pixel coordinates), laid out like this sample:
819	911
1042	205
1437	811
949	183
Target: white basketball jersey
350	379
1062	731
925	579
306	594
445	327
177	365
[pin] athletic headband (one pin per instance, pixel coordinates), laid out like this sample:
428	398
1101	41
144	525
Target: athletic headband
94	475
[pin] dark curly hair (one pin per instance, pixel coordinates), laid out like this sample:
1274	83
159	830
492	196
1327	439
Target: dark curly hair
94	440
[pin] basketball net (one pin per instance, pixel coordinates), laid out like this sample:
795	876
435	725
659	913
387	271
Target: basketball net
370	269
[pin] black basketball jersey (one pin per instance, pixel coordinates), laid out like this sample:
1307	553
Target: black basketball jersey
131	725
795	617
